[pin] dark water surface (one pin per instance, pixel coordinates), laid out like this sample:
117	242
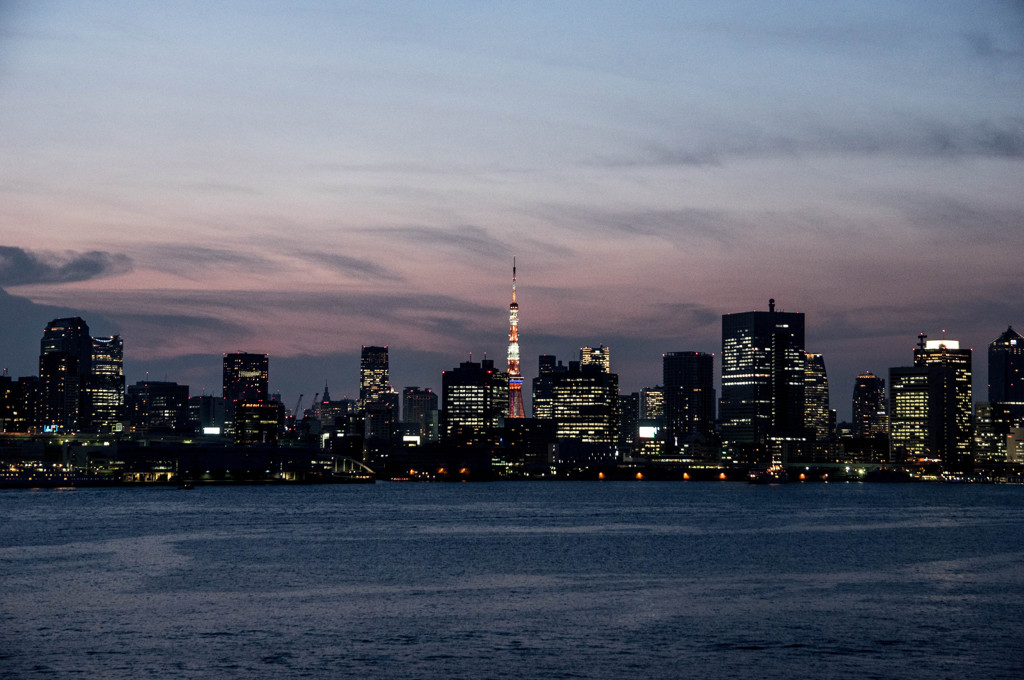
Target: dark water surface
514	580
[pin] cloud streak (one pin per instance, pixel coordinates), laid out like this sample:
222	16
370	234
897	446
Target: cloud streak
21	267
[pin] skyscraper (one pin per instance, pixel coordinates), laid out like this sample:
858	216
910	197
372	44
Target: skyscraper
475	401
817	415
952	410
374	379
515	379
419	409
930	406
586	411
65	361
763	376
543	400
245	380
689	394
870	413
600	355
1006	371
104	388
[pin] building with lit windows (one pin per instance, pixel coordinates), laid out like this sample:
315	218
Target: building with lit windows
689	394
763	377
420	412
930	406
817	414
257	423
157	407
474	402
65	361
104	386
246	378
600	356
870	411
1006	372
586	413
543	400
374	377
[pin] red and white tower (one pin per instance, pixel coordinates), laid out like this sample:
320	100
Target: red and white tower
515	380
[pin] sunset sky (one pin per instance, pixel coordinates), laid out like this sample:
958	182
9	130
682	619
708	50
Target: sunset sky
304	178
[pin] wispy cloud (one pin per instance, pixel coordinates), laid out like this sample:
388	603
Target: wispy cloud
19	267
352	266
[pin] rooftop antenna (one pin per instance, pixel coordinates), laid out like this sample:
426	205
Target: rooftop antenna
920	340
771	305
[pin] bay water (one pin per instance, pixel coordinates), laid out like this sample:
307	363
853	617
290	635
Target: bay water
514	580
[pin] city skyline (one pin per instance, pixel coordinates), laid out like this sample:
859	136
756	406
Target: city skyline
306	179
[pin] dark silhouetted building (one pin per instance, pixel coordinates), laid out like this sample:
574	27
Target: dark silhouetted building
420	412
870	414
763	376
258	423
246	379
65	361
157	407
206	414
1006	372
689	394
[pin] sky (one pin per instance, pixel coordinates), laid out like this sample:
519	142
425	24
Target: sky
304	178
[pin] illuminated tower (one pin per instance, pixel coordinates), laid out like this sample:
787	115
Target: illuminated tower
515	379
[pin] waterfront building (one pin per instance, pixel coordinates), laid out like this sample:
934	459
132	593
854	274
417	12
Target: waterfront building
157	407
586	413
930	406
763	376
374	377
1006	372
543	400
475	402
870	412
817	414
245	379
258	423
206	414
104	386
420	412
689	394
65	361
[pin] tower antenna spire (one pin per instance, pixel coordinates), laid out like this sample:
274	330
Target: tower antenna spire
515	379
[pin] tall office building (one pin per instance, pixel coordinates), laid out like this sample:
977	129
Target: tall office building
156	406
930	406
652	404
763	376
104	387
419	410
65	361
245	377
246	380
600	355
1006	371
475	402
586	411
817	414
689	394
953	411
543	400
374	379
870	412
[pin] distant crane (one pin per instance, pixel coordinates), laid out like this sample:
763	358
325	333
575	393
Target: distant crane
297	405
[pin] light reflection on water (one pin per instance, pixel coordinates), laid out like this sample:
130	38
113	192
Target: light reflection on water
514	580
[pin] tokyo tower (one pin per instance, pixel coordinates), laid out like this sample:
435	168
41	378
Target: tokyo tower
515	380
